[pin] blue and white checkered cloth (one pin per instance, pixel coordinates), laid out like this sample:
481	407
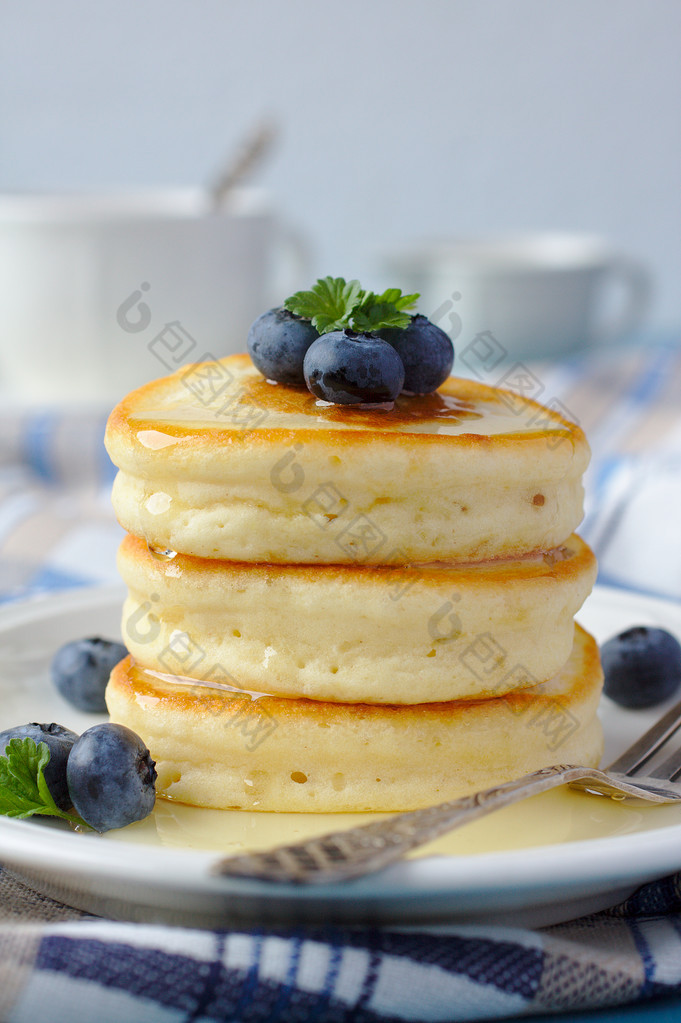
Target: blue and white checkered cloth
56	964
97	970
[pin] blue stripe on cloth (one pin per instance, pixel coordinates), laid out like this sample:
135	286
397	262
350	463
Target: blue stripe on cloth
324	996
652	899
239	995
250	981
512	968
302	1007
212	975
37	442
168	979
372	972
650	988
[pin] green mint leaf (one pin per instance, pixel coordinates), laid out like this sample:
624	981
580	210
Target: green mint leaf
19	768
376	317
386	310
333	304
328	304
23	789
391	296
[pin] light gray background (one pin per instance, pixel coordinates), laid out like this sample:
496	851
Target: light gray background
399	120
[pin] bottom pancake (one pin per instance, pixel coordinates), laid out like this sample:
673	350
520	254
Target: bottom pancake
217	747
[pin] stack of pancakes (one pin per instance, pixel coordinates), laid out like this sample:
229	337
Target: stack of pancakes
335	608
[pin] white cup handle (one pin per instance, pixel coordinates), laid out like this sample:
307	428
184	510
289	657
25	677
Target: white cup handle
634	280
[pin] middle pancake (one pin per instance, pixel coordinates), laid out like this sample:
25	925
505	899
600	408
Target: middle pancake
357	633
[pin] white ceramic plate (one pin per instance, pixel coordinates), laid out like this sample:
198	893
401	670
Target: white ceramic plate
548	859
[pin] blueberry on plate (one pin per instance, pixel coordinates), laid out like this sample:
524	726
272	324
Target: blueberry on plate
111	777
426	352
352	369
642	667
81	669
277	342
59	741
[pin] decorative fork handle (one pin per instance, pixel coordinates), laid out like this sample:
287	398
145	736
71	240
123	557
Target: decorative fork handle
342	855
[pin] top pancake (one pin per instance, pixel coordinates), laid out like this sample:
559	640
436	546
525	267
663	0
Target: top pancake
217	462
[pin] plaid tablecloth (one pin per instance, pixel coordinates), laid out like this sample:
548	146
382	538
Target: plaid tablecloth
61	966
57	964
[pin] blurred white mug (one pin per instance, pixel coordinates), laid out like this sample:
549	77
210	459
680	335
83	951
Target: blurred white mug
100	293
537	295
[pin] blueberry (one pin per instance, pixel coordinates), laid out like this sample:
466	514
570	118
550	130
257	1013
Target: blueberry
81	669
111	777
350	369
642	667
426	352
277	343
59	740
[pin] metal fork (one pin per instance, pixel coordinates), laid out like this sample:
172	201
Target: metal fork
342	855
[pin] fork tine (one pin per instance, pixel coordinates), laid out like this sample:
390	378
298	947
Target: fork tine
669	769
650	742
